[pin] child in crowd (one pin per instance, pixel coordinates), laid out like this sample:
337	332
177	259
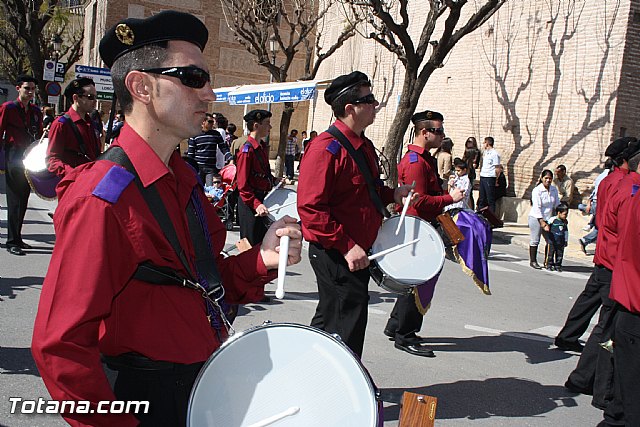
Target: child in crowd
558	237
460	180
216	190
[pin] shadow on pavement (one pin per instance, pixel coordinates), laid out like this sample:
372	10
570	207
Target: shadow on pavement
17	361
535	347
9	285
474	399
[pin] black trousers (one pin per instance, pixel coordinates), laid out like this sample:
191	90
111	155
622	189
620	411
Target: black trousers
583	310
252	227
405	319
487	195
343	297
166	390
627	363
288	165
585	372
18	191
555	253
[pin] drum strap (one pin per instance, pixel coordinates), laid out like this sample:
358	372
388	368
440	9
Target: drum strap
29	128
362	164
206	278
76	132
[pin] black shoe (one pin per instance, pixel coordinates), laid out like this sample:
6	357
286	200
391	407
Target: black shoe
266	299
569	385
568	345
24	245
415	349
551	268
535	265
390	334
583	246
559	268
15	250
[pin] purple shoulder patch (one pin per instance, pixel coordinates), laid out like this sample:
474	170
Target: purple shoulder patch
62	119
245	147
413	157
334	147
113	184
634	189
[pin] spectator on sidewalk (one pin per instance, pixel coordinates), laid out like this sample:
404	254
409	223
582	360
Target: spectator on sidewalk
203	149
544	199
460	180
488	174
501	183
564	184
445	159
471	157
558	237
290	153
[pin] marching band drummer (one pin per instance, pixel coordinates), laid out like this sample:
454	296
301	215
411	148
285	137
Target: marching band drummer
96	301
420	166
21	124
74	139
340	212
254	178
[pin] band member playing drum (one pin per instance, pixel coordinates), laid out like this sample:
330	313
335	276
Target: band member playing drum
21	124
341	211
254	177
143	205
420	167
74	138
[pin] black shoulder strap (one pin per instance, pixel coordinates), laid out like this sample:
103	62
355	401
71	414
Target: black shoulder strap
76	132
362	164
205	264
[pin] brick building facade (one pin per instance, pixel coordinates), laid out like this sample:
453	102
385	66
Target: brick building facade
229	62
553	82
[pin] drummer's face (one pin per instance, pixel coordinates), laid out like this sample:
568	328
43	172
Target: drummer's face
434	138
26	91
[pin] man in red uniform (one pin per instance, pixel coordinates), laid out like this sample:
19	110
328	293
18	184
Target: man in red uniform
340	212
419	166
97	301
254	178
74	138
625	291
582	378
21	124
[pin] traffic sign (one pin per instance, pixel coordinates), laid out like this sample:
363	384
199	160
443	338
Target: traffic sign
53	71
53	88
101	77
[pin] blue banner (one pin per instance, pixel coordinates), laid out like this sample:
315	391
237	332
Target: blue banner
303	91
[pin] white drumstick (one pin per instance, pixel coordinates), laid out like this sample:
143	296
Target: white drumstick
282	266
277	417
273	190
277	208
392	249
405	207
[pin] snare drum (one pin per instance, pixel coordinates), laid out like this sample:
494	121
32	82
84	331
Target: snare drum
42	182
402	270
298	375
282	202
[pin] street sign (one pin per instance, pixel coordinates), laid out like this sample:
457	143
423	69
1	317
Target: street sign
53	71
53	88
53	100
101	77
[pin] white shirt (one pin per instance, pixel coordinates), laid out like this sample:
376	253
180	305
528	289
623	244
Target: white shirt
463	183
490	160
543	201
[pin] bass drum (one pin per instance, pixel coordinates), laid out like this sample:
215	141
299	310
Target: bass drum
402	270
42	182
283	374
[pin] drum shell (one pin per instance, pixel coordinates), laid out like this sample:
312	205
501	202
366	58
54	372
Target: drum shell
258	356
388	283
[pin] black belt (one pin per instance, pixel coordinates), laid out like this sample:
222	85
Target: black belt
139	362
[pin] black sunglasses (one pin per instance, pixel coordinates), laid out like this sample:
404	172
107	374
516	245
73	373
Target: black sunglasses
437	131
89	96
367	99
191	76
217	182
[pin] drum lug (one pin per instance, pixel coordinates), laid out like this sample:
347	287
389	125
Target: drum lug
336	336
267	322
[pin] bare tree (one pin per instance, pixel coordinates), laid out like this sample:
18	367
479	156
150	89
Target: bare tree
388	22
297	27
26	30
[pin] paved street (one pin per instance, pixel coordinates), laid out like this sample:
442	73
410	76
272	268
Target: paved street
495	364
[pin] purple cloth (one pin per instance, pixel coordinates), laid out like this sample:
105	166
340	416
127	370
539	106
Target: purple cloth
473	252
44	184
424	294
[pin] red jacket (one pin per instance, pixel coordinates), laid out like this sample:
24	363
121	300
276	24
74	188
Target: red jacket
333	198
89	303
12	124
253	172
606	245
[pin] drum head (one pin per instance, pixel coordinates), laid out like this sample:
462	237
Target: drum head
35	158
282	202
265	371
413	264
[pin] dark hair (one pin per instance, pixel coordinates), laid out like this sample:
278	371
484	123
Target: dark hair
459	163
545	173
563	168
222	121
338	104
231	128
24	78
490	140
562	207
293	130
608	164
473	140
250	123
208	116
148	56
634	161
423	124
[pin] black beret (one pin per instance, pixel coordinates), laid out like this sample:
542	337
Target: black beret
617	147
257	115
25	78
426	115
132	33
632	149
340	85
75	86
